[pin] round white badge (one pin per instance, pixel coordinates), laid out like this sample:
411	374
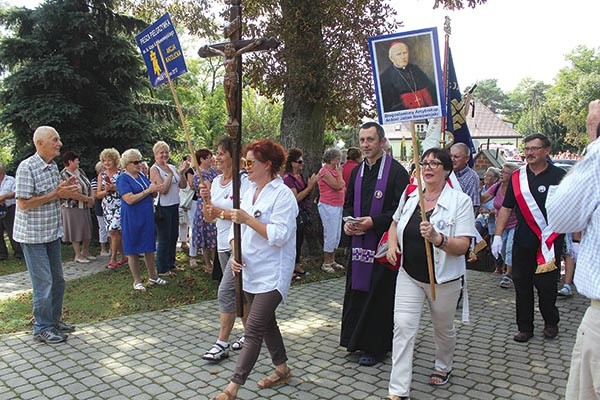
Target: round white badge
541	189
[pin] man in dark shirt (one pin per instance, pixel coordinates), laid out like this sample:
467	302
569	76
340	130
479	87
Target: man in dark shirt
526	193
373	194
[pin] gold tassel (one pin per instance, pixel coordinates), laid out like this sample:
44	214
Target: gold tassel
547	267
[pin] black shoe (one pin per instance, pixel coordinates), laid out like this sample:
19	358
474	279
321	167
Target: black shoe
368	360
50	337
63	327
550	331
522	337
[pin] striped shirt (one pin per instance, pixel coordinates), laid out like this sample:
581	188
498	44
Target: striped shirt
572	206
42	224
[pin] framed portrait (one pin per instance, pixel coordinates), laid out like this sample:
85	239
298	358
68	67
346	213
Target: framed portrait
408	76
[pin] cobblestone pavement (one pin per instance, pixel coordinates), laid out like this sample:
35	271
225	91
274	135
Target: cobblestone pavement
157	355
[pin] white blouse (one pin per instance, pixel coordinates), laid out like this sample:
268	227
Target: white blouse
222	197
269	263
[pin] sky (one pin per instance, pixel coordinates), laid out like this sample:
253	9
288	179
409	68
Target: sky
507	40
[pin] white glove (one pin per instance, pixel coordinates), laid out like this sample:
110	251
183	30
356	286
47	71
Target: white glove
497	246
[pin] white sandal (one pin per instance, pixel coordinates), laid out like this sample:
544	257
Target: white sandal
157	281
216	353
238	344
139	286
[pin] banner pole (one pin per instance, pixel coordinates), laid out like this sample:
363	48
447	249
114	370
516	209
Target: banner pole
447	30
422	206
180	112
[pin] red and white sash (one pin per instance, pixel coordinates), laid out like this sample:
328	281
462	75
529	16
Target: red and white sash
535	220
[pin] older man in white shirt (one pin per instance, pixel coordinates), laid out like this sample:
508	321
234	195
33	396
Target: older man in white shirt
583	182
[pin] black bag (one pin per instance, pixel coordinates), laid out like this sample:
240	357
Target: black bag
303	218
158	216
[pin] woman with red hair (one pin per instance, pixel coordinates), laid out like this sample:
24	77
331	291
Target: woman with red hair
267	216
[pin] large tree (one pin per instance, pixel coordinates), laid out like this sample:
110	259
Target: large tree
71	64
321	70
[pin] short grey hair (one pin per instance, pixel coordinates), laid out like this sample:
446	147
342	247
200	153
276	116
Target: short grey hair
494	171
465	149
99	166
129	156
510	165
331	154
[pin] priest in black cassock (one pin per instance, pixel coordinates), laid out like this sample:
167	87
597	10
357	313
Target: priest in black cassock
403	85
373	194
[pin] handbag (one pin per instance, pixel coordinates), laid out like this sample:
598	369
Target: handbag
158	215
186	196
380	255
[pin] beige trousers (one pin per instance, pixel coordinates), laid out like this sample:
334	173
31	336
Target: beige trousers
584	377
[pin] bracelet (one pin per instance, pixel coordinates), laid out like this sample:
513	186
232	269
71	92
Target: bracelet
443	242
222	215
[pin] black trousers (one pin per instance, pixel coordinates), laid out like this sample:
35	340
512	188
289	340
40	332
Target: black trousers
6	225
525	279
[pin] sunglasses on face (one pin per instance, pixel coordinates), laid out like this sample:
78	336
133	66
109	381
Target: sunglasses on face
299	161
137	162
249	163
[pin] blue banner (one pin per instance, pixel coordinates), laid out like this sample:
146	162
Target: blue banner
161	33
456	122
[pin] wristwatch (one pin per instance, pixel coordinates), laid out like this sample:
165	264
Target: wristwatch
222	215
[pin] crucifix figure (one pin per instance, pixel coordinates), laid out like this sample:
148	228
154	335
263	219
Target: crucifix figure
232	60
231	78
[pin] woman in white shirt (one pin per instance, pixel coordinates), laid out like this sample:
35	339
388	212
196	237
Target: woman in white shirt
218	202
449	228
167	229
267	216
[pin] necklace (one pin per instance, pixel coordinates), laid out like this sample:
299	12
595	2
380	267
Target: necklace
431	198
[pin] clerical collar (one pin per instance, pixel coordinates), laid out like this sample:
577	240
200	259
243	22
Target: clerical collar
376	161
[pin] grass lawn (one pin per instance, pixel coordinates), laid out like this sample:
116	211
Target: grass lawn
109	294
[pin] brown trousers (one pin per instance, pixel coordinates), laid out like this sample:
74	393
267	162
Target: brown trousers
261	325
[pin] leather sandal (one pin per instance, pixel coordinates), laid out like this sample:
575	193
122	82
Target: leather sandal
225	395
281	378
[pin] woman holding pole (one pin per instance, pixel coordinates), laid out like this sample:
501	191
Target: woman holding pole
448	226
267	216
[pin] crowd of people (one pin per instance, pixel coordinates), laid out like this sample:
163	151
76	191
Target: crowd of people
408	240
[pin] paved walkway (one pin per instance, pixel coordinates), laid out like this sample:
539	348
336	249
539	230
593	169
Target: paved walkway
158	355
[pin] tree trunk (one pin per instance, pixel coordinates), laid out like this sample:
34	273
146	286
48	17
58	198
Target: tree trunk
303	116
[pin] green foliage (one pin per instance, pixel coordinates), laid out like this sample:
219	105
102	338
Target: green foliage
72	64
576	85
491	95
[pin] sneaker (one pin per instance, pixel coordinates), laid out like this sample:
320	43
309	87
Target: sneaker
506	282
238	344
328	268
565	292
104	253
63	327
50	337
216	353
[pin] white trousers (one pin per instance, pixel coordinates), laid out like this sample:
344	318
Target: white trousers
408	307
331	216
102	234
584	377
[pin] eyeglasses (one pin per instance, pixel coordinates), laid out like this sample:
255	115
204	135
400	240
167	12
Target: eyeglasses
249	163
431	164
299	161
534	148
136	162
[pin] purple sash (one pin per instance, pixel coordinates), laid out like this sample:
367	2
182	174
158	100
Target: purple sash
364	246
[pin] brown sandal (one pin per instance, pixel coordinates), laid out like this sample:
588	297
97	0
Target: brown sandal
281	378
228	396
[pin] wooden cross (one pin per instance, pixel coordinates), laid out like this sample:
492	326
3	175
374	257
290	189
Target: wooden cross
231	52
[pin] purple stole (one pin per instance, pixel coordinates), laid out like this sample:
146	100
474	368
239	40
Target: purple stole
365	246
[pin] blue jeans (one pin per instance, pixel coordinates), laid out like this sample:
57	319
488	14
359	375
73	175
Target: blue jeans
167	232
44	263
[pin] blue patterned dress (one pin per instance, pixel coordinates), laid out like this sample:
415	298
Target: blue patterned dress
204	234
